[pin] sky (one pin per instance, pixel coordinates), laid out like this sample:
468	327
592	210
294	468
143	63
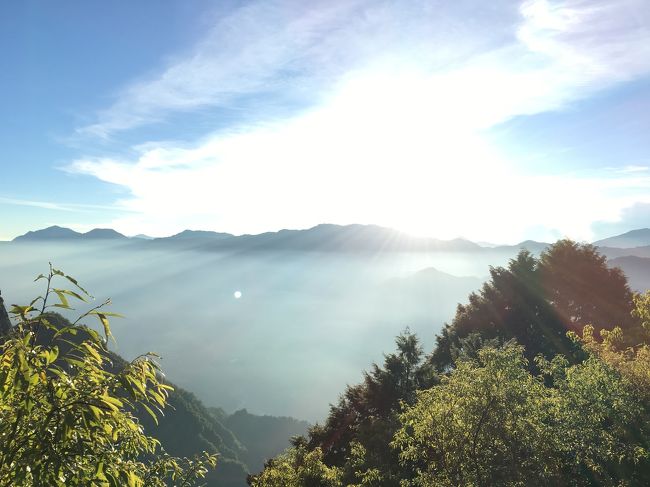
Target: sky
495	121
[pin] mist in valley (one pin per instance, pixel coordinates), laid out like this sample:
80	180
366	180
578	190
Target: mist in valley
299	317
255	323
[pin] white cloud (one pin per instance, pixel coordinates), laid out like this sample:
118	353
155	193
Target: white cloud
289	175
284	48
242	54
293	49
633	168
395	135
48	205
604	40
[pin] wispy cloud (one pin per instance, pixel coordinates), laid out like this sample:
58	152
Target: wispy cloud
296	50
67	207
255	49
544	53
635	169
400	95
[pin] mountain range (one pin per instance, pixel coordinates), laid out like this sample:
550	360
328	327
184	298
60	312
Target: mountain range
321	237
325	237
630	251
631	239
61	233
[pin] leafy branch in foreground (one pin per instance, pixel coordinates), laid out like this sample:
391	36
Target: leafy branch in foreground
68	410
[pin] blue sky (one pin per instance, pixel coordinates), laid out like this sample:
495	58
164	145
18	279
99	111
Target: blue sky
496	121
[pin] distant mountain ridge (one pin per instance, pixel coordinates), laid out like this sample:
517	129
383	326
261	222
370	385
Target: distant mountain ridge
197	234
636	269
531	245
103	234
264	437
324	237
50	233
627	240
61	233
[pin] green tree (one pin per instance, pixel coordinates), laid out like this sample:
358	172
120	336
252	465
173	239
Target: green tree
298	467
366	414
68	414
485	424
492	422
583	289
510	305
600	424
536	301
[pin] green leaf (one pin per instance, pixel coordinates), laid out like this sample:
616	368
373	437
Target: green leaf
21	311
71	293
92	351
98	413
151	413
104	321
106	313
62	298
74	361
52	355
58	272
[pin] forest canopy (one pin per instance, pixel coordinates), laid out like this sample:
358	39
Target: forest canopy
542	378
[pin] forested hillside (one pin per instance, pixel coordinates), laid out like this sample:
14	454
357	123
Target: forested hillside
541	378
263	436
186	428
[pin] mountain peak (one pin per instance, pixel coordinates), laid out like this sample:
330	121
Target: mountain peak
634	238
54	232
103	233
197	234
